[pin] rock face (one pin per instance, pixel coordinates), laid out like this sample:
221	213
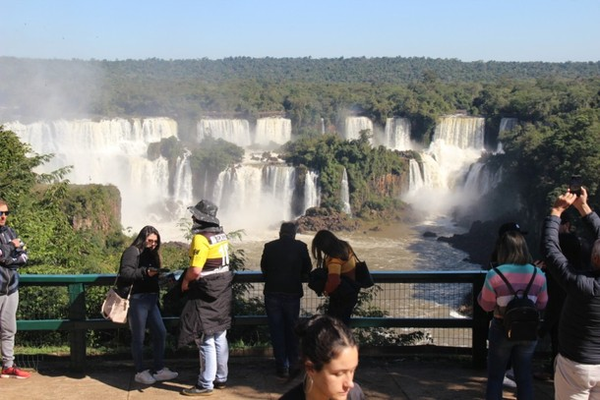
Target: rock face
316	219
94	207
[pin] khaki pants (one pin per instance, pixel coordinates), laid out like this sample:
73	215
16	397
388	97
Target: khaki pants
576	381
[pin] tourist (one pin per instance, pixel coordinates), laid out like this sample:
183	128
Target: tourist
138	275
206	315
577	365
329	356
514	262
338	258
13	255
284	263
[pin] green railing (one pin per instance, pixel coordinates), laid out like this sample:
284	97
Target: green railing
405	309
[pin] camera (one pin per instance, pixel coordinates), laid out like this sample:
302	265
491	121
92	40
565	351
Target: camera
575	185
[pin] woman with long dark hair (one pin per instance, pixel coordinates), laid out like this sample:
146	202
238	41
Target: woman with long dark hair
515	264
329	356
338	257
138	274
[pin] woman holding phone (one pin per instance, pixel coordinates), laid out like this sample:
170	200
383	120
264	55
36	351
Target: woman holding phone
138	274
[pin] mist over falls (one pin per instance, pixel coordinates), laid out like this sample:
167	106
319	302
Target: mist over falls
254	193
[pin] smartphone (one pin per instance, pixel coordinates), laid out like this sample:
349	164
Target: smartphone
575	185
161	270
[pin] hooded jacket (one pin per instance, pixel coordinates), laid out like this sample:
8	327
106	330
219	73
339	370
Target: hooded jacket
11	258
208	309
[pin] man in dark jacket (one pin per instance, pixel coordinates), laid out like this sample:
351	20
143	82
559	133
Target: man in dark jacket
577	366
284	262
12	256
206	315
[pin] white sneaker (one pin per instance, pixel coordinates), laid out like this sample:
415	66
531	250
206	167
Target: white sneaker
165	374
145	377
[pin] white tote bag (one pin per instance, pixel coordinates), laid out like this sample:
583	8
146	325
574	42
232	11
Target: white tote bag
115	307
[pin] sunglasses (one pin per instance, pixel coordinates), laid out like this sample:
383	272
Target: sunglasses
4	213
151	241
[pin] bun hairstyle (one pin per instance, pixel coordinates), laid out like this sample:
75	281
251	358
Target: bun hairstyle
322	338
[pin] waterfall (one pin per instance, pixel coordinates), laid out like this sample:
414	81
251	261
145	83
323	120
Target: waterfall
113	151
273	131
183	179
457	144
396	134
345	194
311	191
480	179
259	196
232	130
507	124
415	178
356	124
461	132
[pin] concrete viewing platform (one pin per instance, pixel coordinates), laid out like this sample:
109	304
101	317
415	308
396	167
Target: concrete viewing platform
399	377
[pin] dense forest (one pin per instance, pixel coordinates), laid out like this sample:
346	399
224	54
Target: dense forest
556	104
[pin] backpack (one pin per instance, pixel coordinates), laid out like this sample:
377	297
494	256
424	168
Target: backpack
521	317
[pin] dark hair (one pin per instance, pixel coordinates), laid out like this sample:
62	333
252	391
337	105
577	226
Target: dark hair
322	338
512	249
143	235
326	243
287	229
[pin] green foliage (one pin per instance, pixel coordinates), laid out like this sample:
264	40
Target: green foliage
371	171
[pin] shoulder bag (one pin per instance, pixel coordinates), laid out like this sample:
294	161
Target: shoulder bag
362	274
115	307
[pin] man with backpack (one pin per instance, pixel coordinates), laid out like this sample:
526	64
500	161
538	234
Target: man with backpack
577	365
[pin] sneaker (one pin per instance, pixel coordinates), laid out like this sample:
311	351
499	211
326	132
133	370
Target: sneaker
145	377
197	391
165	374
220	385
14	372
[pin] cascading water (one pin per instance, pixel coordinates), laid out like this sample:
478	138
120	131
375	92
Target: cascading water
112	152
231	130
356	124
457	143
345	194
396	135
272	131
258	196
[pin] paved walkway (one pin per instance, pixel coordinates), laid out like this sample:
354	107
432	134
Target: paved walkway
401	378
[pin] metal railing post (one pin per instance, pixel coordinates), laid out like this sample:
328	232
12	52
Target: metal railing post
480	327
77	335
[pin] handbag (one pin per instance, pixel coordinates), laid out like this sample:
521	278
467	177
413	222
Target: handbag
115	308
317	278
362	274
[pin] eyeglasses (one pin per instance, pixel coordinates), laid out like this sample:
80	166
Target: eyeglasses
4	213
151	241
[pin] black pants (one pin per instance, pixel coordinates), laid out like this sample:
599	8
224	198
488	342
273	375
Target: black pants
343	300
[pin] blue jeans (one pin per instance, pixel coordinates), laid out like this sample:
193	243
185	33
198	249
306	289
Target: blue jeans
144	312
500	351
214	355
282	312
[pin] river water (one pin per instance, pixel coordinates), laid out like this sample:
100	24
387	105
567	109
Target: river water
393	247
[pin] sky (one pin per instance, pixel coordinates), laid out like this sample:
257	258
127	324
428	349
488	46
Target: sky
467	30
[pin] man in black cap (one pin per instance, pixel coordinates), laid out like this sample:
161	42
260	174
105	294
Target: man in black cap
207	313
283	263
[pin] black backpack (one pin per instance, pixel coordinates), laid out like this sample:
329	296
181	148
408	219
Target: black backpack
521	317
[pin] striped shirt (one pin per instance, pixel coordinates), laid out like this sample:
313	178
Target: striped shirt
495	294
